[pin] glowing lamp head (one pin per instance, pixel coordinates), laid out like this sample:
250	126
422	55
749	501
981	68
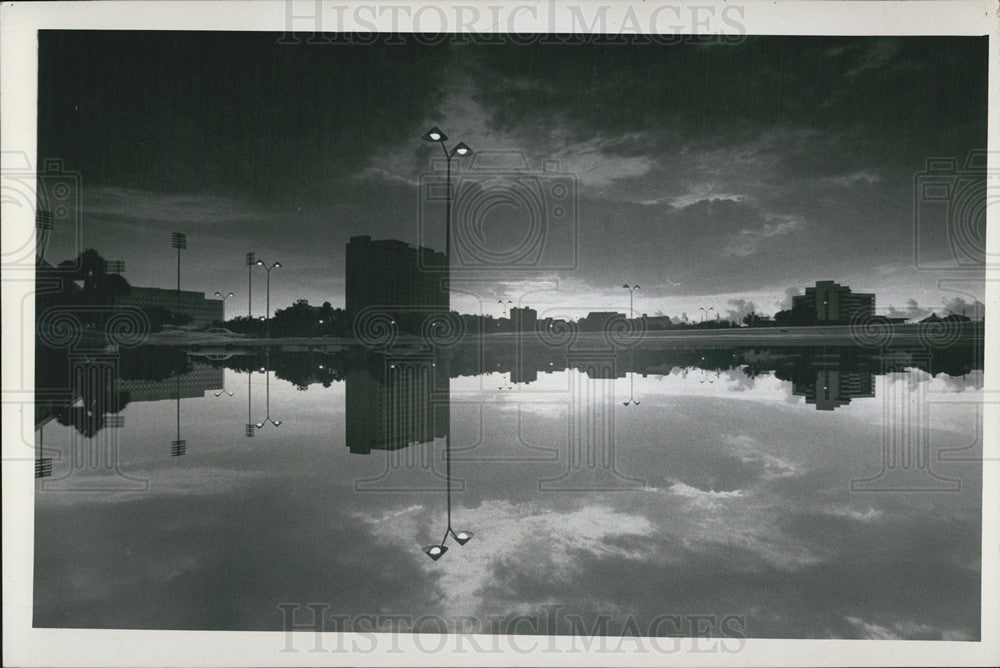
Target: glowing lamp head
435	134
435	552
463	537
462	149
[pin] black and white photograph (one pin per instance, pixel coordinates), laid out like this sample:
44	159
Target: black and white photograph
562	334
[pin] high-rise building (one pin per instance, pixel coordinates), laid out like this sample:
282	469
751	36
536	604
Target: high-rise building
830	302
405	282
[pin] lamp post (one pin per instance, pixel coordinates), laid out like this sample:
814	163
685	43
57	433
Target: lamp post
435	135
267	311
178	240
224	298
251	261
631	292
505	306
45	222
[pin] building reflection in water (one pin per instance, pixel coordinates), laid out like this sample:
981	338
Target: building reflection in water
833	388
393	402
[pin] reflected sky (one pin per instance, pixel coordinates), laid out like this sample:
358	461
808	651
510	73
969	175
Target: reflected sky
721	492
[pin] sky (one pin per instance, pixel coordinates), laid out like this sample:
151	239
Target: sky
711	175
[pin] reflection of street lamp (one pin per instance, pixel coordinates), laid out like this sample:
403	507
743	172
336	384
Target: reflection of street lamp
631	382
178	447
267	402
631	292
435	135
505	306
435	552
250	426
268	308
224	298
43	465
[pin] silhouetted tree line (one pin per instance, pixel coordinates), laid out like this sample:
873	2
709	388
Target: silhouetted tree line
94	396
85	281
306	368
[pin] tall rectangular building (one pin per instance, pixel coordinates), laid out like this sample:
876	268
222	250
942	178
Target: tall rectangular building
831	302
405	282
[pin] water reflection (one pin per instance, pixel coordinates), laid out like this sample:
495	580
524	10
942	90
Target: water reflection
743	506
400	399
266	370
394	401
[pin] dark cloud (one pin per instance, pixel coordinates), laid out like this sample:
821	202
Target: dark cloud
236	113
706	169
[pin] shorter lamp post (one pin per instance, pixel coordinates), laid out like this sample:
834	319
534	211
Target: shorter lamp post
631	293
224	298
268	308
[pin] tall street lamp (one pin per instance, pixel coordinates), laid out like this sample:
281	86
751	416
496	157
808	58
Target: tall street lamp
505	306
45	222
178	240
267	317
631	293
435	135
251	261
224	298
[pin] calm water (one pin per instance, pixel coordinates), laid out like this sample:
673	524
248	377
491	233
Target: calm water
824	493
